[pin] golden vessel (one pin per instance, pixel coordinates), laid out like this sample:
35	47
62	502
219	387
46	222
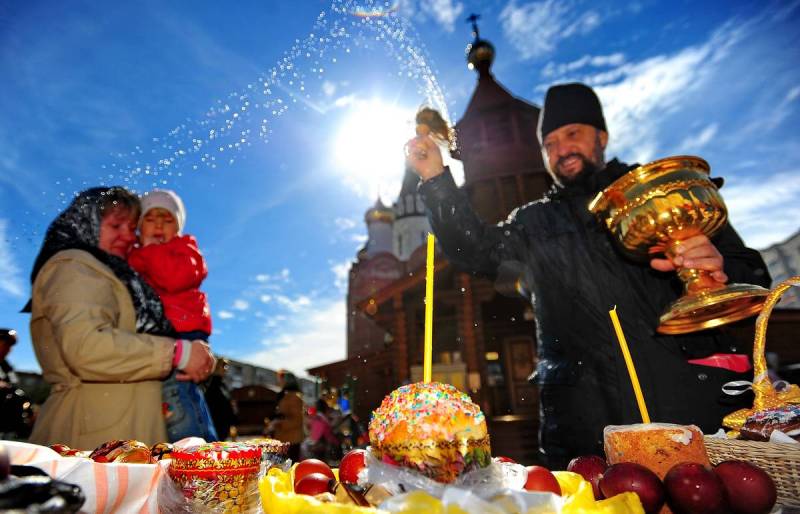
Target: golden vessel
650	210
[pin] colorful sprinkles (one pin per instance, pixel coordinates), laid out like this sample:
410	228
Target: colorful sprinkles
431	427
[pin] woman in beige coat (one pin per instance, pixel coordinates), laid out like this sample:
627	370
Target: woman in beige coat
99	331
289	425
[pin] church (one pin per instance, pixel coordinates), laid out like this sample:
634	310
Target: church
483	331
483	339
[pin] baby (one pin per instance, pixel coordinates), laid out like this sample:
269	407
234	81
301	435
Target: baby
173	265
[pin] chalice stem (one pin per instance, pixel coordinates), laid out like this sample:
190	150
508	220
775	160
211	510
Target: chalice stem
695	281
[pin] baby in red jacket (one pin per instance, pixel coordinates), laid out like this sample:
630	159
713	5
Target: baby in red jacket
173	265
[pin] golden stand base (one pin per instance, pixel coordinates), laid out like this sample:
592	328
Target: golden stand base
708	309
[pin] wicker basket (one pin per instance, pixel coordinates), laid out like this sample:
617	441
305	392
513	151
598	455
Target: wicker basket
780	460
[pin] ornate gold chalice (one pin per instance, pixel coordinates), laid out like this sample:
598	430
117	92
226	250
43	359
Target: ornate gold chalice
654	207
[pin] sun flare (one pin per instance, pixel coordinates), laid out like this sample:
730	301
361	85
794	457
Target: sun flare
369	145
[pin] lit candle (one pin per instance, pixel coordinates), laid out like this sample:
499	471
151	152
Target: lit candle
428	357
637	390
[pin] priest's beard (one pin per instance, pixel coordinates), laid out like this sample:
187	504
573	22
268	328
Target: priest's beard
590	165
588	169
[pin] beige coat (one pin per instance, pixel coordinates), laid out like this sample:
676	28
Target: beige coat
290	427
105	377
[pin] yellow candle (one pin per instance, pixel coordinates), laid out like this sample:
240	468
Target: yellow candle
637	390
428	357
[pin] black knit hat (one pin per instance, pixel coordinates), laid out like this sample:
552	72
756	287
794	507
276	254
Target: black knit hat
9	336
570	103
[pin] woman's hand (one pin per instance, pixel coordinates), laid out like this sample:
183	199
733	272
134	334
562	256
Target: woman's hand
697	252
201	363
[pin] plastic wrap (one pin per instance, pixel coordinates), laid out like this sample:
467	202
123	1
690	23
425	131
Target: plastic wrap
486	482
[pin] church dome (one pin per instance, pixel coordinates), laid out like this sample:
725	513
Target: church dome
480	55
379	212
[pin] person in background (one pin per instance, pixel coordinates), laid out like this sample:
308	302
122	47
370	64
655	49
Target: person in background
16	409
322	442
99	331
288	425
8	338
219	400
565	258
172	264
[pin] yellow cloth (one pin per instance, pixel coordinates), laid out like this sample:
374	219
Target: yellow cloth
278	497
579	498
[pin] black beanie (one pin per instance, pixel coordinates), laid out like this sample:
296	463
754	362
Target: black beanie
570	103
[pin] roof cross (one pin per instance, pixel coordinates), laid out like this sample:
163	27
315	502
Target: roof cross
473	18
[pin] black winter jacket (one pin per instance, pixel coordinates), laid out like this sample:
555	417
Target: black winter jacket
575	274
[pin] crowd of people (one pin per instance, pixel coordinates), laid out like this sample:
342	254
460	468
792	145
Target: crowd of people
121	327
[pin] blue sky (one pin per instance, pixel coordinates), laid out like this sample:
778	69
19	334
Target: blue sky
280	122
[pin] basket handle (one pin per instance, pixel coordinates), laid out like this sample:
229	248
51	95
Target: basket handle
761	383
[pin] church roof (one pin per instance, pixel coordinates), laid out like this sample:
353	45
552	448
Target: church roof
490	94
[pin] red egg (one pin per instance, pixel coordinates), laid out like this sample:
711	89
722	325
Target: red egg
749	488
313	484
591	468
693	489
630	477
540	479
309	466
351	465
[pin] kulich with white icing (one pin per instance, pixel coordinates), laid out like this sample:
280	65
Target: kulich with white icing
657	446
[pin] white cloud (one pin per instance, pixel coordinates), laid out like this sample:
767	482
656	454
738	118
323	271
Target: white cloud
275	321
344	101
328	88
535	28
294	305
359	238
698	141
344	223
316	337
223	314
654	88
444	12
552	69
770	114
341	272
241	305
265	298
764	209
281	276
10	277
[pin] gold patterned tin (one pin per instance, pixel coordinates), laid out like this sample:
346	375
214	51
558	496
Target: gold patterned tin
222	476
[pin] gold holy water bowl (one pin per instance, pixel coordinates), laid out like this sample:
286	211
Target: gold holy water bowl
654	207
